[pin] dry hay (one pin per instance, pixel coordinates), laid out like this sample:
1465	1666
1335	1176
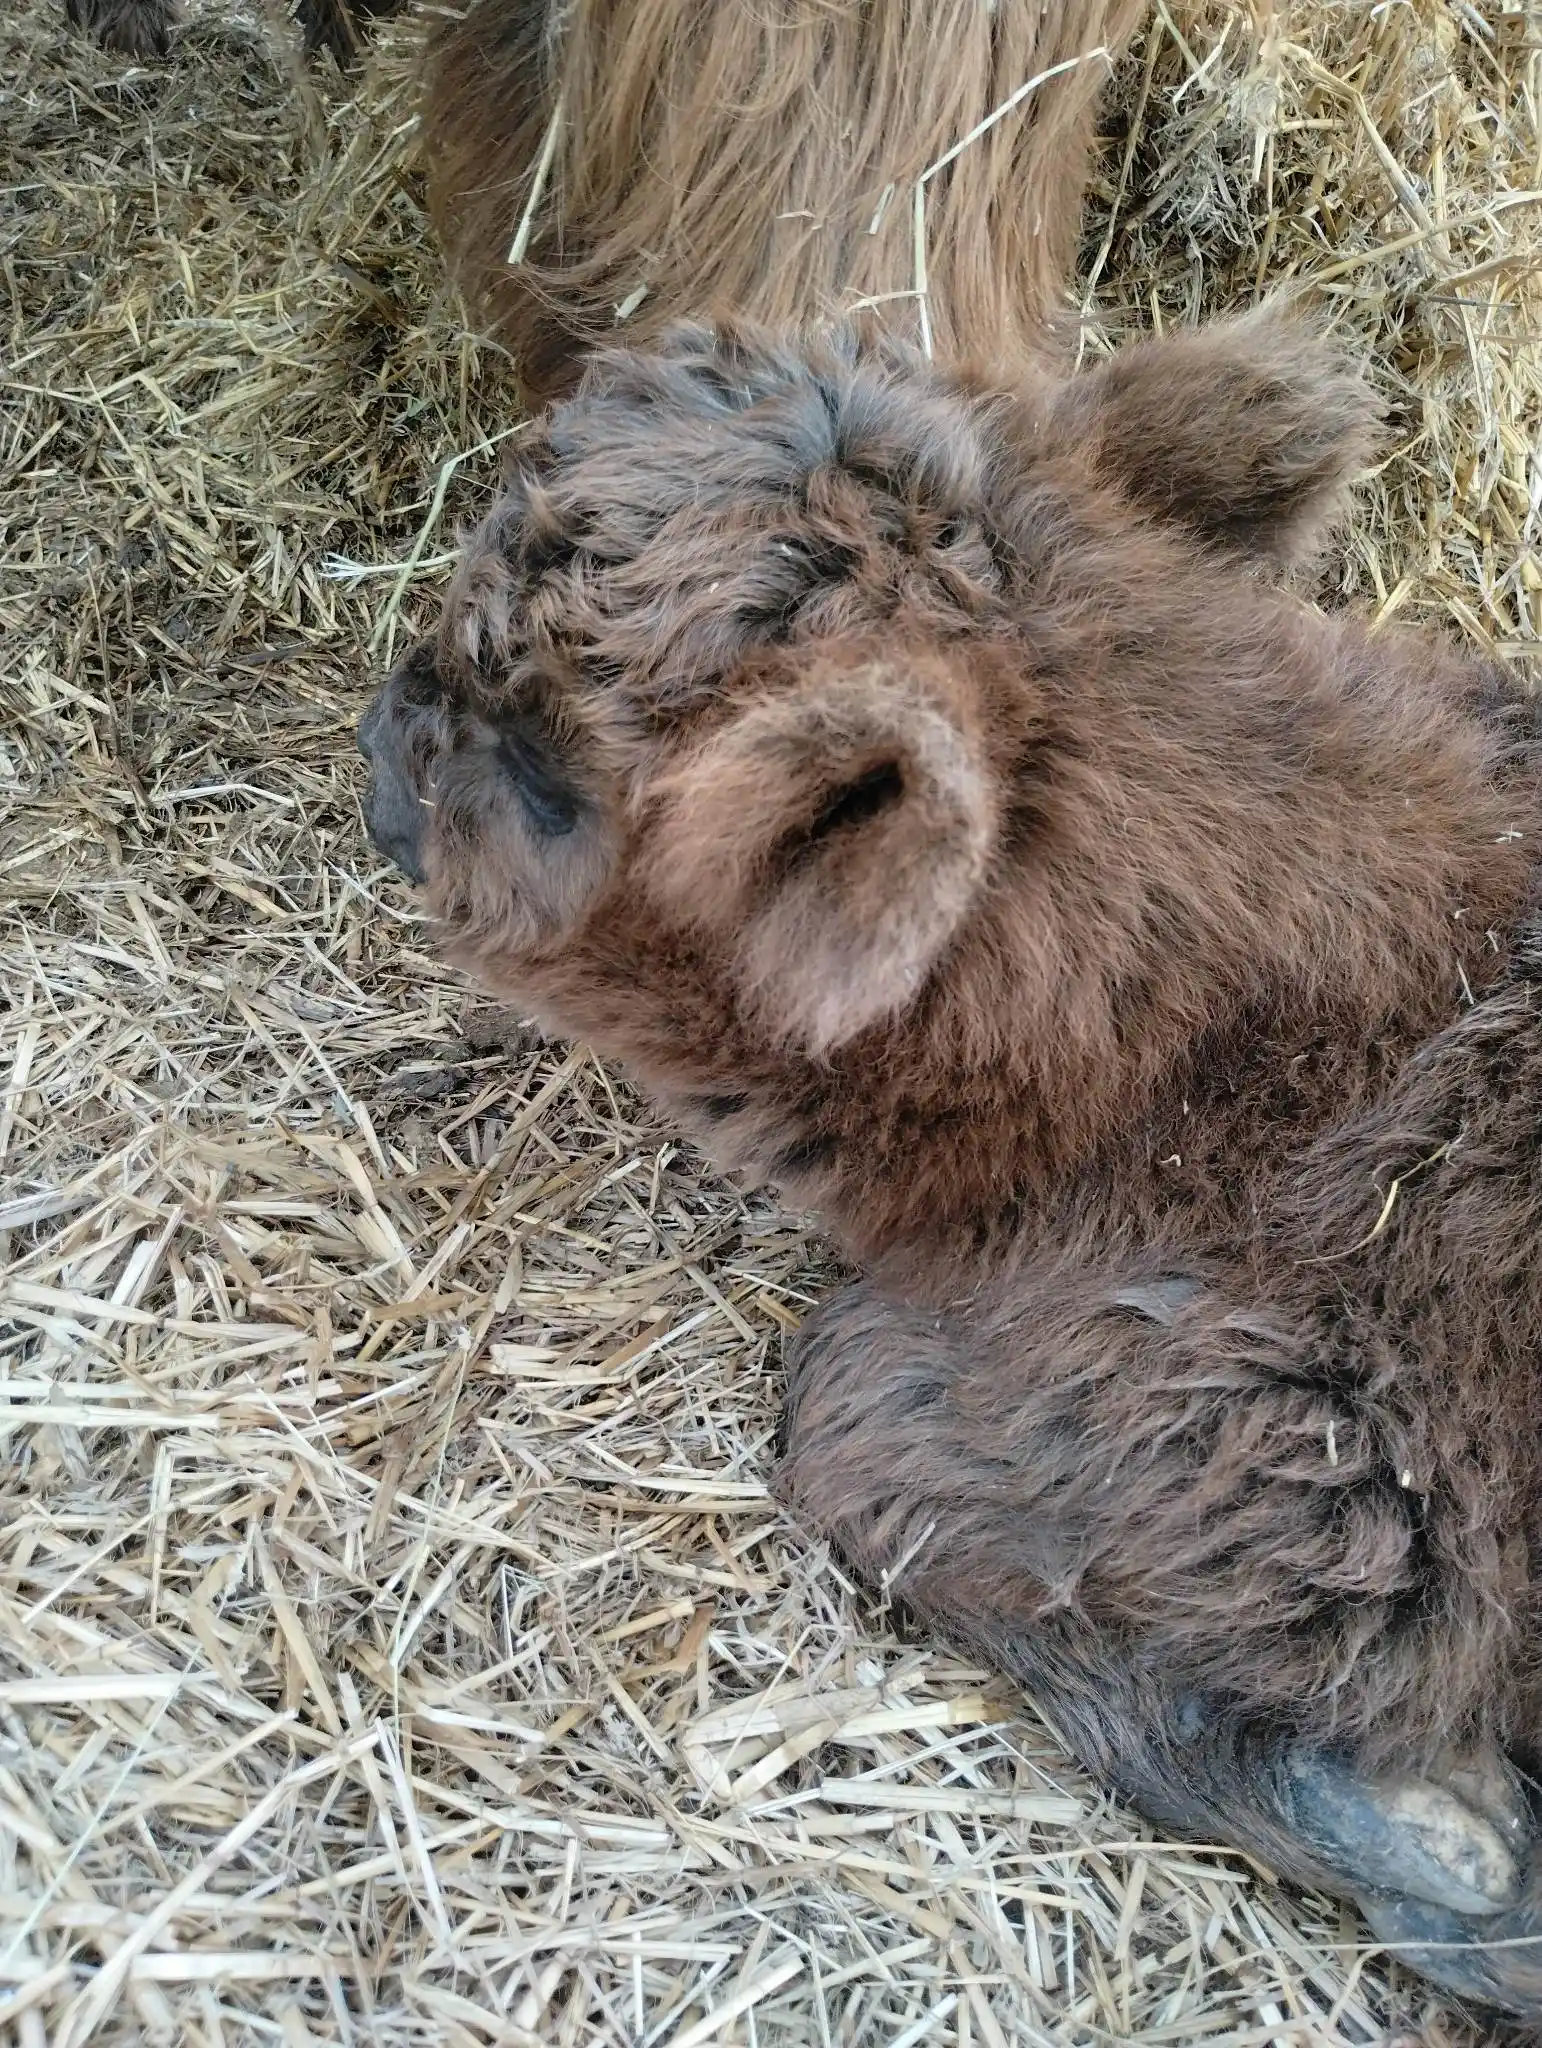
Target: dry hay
398	1643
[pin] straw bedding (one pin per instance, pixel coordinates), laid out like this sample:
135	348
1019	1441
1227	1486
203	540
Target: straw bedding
397	1643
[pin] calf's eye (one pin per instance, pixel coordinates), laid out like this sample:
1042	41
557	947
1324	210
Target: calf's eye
532	763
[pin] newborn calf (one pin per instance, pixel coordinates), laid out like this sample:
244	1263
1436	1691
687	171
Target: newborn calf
920	787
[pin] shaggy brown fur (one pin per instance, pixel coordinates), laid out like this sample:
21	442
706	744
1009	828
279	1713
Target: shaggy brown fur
916	784
1235	1520
761	157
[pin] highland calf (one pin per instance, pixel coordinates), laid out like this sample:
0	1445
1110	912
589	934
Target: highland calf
919	784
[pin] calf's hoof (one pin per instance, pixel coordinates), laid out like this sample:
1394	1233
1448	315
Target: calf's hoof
1459	1841
1443	1868
1493	1959
329	25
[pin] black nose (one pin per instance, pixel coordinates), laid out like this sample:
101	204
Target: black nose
393	820
369	725
402	855
398	731
393	815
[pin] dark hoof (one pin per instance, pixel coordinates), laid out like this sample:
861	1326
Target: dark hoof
1458	1843
134	28
329	25
1495	1960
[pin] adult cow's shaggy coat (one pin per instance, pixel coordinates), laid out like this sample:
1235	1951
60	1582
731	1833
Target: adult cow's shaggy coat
598	162
920	784
645	159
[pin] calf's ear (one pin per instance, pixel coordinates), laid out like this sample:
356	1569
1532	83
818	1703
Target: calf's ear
832	834
1248	431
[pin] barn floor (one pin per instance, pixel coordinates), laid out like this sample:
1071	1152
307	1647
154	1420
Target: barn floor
398	1644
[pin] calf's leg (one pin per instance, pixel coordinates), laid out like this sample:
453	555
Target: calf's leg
1255	1528
1134	1500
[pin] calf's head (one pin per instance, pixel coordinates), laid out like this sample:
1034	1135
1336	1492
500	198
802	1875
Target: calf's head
808	719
